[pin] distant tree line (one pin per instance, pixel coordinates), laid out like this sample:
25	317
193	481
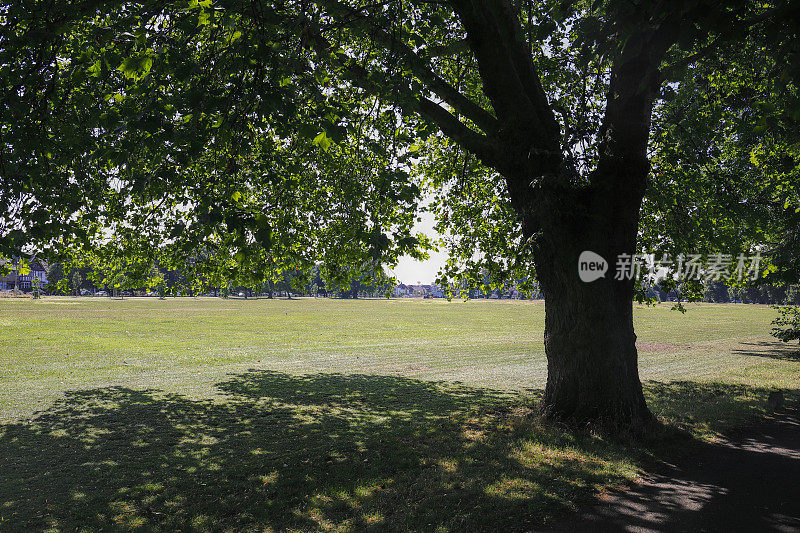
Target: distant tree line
71	280
64	279
720	292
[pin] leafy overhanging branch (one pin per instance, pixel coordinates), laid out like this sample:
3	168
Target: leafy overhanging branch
480	145
417	65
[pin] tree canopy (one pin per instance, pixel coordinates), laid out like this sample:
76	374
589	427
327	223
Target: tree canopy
286	127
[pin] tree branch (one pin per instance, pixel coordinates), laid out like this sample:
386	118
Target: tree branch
625	130
667	72
419	67
478	144
509	76
770	15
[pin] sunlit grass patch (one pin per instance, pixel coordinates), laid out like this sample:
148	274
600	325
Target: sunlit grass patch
708	409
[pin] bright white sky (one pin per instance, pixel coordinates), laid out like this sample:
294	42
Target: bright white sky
412	271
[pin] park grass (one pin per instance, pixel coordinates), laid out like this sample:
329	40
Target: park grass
207	414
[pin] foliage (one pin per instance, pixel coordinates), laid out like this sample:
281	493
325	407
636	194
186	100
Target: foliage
793	294
787	322
55	273
76	279
716	292
726	158
288	156
158	283
36	286
474	213
255	197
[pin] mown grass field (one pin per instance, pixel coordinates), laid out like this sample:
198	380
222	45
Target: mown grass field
212	414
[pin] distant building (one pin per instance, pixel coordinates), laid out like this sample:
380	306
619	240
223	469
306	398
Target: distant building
422	290
415	290
24	282
400	290
433	291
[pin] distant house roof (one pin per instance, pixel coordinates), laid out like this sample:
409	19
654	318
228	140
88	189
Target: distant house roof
35	266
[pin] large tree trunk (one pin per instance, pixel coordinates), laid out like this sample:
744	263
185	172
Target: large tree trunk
592	369
593	376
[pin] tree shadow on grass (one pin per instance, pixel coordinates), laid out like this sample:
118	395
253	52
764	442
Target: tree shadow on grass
709	409
315	452
774	350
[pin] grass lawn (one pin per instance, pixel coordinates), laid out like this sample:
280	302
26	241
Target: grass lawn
210	414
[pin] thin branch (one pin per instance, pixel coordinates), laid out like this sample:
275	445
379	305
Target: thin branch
667	72
769	15
478	144
449	94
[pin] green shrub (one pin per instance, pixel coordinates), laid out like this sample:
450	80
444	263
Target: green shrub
788	323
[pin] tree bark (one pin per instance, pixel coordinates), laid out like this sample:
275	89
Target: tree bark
593	376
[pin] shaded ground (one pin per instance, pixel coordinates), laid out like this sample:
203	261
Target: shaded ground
748	481
334	452
775	350
322	452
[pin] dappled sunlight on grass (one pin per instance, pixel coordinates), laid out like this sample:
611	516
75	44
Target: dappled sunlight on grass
323	451
333	415
320	452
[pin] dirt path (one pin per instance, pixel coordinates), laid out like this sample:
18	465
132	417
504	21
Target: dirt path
750	482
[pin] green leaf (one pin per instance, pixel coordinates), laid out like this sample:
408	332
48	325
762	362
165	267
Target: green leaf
309	131
96	69
323	141
136	66
336	133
